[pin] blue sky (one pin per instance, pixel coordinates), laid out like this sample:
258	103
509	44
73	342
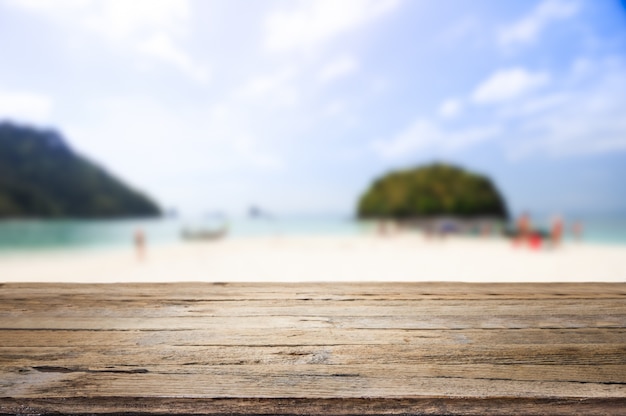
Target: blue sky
297	106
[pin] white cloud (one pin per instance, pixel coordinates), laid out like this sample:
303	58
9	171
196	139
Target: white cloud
238	137
508	84
154	144
558	137
418	136
314	22
450	108
161	46
529	28
247	149
25	106
115	19
590	121
424	135
46	6
534	106
468	137
337	69
274	89
151	28
123	19
581	114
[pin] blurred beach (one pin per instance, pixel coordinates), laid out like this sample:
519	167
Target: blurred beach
298	251
390	113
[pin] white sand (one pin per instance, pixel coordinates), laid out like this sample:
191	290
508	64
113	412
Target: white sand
328	258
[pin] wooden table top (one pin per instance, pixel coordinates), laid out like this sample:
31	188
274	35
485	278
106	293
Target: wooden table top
313	348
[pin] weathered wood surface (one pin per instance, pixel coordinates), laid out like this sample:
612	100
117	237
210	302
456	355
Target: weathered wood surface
325	348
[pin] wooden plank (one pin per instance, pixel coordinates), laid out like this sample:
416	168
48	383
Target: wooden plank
547	354
451	322
363	348
322	291
315	336
38	310
468	406
302	381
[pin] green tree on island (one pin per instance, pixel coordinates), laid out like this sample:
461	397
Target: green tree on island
429	191
42	177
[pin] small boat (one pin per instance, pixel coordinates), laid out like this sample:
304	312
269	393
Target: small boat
204	234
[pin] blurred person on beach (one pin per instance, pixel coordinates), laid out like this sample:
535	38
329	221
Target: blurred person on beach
556	232
382	228
140	243
486	230
524	228
388	228
429	230
577	230
525	233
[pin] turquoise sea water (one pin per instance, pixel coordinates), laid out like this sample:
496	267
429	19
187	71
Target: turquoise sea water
35	235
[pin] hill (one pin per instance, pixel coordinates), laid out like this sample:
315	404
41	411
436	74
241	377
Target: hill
41	177
429	191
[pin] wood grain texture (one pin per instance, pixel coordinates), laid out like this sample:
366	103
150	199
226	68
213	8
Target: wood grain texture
325	348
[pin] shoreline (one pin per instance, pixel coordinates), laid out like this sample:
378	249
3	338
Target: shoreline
323	258
6	253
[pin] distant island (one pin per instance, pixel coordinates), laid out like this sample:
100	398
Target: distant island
42	177
432	191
